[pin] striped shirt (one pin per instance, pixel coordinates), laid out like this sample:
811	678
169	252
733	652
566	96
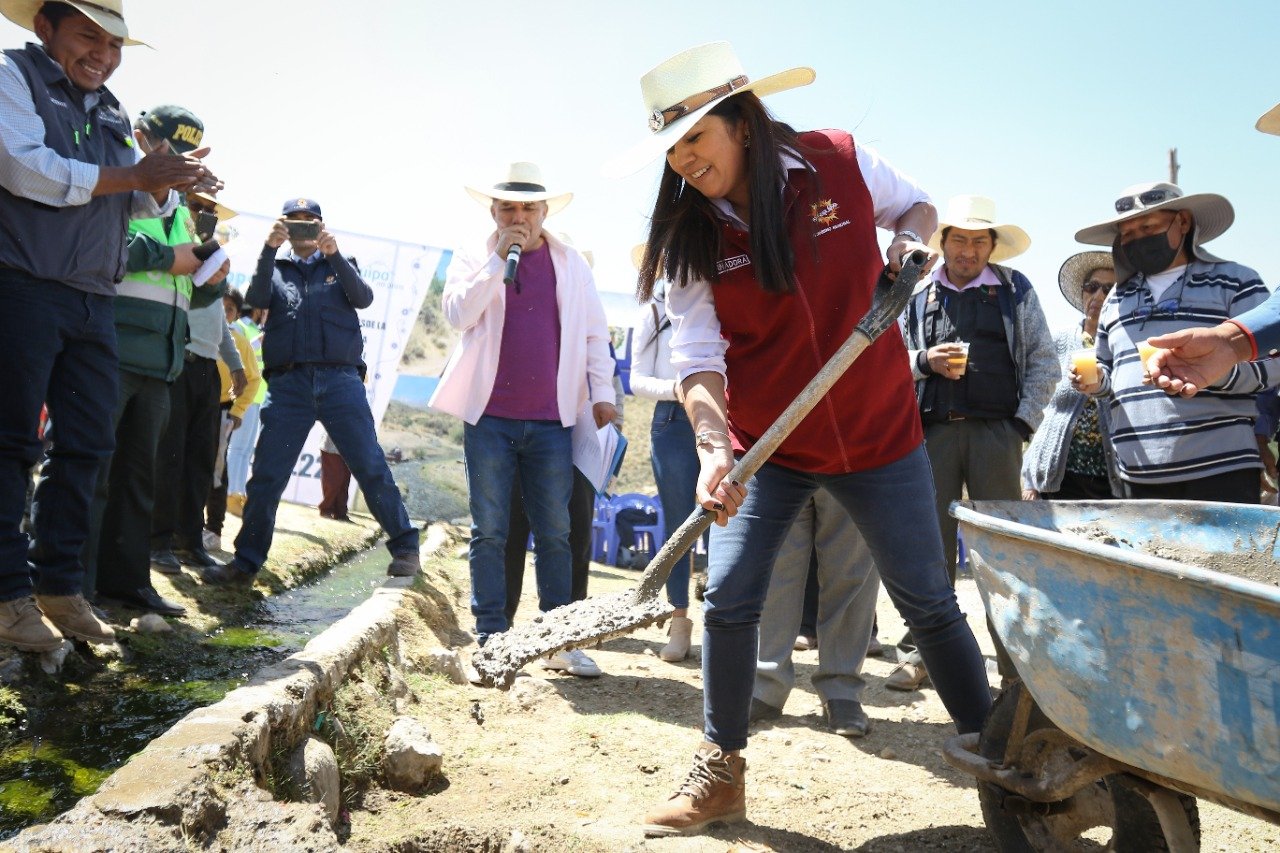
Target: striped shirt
1159	438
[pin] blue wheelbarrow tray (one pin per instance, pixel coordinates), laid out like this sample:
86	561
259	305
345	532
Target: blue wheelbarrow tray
1148	631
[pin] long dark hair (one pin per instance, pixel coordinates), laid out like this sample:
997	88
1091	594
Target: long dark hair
684	231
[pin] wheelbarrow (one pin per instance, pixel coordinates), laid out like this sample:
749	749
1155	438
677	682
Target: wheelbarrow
1146	639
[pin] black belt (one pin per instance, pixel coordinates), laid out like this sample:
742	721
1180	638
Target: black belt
188	356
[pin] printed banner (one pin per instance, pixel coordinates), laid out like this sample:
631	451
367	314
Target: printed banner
400	275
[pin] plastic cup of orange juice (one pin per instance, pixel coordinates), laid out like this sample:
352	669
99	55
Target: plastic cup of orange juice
1145	351
961	359
1085	362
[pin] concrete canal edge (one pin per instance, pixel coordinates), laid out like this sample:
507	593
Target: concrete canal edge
184	788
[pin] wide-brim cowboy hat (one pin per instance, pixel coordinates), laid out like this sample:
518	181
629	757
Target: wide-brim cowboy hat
522	183
1075	271
219	209
978	213
1270	121
1211	215
108	14
685	88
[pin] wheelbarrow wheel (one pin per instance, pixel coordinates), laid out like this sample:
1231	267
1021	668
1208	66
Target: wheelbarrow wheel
1019	825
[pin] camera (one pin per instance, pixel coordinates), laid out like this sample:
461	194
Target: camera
300	229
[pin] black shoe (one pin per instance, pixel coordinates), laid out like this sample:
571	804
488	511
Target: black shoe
165	562
226	575
197	557
762	712
846	717
146	598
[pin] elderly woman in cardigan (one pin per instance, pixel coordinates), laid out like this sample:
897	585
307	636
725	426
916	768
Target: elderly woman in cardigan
1070	456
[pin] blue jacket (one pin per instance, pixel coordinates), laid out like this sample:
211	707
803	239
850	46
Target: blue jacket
312	307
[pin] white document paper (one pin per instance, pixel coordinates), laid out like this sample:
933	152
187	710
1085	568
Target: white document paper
209	267
595	451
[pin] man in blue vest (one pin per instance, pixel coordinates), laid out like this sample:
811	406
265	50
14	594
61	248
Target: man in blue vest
70	180
313	353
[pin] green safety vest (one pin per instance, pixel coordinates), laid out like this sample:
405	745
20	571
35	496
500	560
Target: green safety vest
254	335
157	285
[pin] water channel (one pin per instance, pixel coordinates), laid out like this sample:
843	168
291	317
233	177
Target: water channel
97	716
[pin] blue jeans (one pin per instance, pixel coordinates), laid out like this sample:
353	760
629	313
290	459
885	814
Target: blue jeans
540	453
58	345
335	397
893	507
675	469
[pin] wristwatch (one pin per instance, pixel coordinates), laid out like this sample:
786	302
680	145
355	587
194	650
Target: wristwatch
909	234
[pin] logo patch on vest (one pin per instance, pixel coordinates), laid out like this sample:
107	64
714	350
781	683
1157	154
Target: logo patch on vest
825	213
725	265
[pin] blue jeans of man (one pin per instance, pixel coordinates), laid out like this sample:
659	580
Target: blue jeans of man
335	397
540	453
58	345
893	508
674	456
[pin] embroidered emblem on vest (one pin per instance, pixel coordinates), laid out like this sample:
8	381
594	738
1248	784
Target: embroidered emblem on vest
724	265
824	212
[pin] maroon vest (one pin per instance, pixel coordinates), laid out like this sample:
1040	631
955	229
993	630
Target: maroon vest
778	342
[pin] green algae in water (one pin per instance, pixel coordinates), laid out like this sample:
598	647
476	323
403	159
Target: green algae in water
40	781
242	638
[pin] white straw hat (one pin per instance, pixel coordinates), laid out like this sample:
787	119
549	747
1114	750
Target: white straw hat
1076	269
978	213
685	88
1270	121
522	183
1212	215
108	14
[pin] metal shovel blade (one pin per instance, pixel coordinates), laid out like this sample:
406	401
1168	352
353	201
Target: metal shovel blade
593	620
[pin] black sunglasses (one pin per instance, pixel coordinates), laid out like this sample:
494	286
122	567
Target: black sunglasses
1146	199
1094	286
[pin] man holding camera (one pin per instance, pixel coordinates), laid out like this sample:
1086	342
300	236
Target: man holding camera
313	355
70	180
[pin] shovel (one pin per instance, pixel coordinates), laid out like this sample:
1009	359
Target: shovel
594	620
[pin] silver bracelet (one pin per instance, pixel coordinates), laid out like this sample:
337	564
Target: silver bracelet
703	439
909	234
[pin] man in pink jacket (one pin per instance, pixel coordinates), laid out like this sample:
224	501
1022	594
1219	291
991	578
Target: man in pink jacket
533	354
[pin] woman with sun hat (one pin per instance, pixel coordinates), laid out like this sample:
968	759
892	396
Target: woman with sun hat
768	237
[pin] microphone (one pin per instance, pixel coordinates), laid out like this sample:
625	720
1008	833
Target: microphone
513	261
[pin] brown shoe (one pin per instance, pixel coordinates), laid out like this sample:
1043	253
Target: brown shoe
714	792
907	676
405	565
235	504
75	618
24	627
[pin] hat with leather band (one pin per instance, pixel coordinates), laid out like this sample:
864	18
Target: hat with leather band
685	88
108	14
523	183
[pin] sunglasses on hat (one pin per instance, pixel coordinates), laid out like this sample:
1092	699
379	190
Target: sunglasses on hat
1146	199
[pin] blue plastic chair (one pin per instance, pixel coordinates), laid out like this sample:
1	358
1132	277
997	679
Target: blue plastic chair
647	536
604	534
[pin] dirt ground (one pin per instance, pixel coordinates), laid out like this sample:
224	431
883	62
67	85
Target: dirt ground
572	764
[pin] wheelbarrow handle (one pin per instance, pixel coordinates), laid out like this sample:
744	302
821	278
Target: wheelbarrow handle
888	302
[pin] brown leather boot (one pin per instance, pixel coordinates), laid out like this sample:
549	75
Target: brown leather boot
714	792
75	618
24	627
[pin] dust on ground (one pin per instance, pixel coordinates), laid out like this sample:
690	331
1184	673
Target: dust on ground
572	764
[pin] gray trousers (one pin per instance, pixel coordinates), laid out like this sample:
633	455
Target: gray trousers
849	585
983	455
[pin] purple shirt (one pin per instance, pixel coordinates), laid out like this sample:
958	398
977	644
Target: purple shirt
525	387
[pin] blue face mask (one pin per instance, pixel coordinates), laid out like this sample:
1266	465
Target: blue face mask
1151	254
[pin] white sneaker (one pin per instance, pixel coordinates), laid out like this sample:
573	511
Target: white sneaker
212	541
574	662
